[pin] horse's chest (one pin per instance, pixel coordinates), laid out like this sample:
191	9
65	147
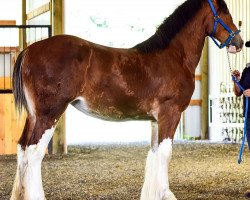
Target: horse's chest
187	88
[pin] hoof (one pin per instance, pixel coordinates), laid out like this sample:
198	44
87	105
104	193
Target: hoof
169	196
156	184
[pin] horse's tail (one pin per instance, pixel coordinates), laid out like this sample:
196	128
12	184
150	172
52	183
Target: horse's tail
17	82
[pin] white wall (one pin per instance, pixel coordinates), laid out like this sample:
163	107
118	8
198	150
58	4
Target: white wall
84	129
123	18
11	10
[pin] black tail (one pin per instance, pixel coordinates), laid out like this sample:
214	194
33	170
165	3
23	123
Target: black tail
17	82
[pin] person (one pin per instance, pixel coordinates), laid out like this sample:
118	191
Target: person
248	44
244	81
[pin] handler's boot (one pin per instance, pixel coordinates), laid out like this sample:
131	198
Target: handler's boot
247	195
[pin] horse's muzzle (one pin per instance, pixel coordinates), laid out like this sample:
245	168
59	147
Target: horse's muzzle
236	44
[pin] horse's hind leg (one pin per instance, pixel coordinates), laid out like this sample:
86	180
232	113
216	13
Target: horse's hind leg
17	191
32	146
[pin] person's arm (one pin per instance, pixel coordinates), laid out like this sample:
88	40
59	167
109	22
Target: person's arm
247	93
237	90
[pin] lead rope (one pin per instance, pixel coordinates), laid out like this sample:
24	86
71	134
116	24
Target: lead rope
246	109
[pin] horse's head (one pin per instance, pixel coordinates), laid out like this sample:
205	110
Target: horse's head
221	27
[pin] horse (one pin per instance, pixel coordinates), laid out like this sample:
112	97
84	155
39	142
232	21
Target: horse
154	80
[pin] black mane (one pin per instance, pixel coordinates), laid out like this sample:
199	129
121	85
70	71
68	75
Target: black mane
173	25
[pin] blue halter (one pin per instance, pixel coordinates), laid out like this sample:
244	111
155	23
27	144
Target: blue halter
217	20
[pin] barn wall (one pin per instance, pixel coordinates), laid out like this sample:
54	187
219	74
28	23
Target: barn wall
192	115
11	124
12	40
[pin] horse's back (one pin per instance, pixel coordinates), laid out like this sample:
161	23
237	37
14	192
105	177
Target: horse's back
60	48
64	68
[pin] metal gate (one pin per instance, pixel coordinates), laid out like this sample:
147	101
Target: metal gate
225	109
13	39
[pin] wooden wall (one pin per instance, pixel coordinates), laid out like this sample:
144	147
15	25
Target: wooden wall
11	125
5	83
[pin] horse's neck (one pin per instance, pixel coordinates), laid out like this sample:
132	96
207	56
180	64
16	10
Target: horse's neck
189	43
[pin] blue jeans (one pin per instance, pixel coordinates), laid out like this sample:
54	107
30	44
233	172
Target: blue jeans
248	132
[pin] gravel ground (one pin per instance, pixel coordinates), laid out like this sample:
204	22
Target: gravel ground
197	171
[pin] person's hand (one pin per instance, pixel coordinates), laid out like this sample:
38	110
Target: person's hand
247	93
236	73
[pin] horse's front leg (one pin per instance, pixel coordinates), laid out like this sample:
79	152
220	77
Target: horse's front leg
156	184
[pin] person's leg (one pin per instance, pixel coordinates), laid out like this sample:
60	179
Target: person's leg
248	132
247	195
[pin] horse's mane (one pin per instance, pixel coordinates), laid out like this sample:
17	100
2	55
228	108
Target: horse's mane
173	25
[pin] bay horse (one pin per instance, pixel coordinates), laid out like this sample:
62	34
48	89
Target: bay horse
153	81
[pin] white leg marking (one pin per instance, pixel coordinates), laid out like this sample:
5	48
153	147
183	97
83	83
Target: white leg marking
30	103
156	185
154	136
17	191
28	181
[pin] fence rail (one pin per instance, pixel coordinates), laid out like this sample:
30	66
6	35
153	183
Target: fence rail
13	39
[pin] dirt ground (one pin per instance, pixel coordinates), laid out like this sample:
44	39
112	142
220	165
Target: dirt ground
197	171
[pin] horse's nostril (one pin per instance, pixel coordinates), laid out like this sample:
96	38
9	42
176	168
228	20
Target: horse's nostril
242	43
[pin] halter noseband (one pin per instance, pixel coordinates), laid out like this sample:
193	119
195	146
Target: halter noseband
217	20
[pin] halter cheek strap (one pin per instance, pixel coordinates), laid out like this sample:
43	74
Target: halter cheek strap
218	20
